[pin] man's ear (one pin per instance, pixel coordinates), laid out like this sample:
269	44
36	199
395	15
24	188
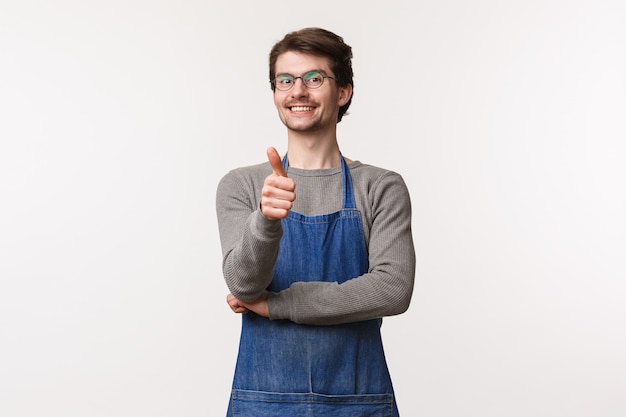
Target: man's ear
344	94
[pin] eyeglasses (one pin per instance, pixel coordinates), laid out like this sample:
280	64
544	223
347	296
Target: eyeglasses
313	79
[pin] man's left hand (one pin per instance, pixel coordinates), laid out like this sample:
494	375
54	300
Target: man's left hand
259	306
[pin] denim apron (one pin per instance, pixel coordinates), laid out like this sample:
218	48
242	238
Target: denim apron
286	369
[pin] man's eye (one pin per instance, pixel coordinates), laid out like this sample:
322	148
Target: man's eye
314	77
284	80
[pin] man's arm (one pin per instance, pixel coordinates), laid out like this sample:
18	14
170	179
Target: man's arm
249	241
250	228
387	287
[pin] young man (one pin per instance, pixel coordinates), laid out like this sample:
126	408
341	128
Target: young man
314	275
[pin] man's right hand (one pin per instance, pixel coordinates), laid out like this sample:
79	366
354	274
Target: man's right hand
277	195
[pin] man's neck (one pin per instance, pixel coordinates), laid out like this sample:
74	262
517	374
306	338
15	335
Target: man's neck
308	151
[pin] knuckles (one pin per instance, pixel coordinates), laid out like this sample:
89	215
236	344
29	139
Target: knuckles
282	183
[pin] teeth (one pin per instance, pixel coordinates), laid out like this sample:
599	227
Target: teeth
301	108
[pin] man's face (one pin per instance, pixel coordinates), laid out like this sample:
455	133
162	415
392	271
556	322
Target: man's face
305	109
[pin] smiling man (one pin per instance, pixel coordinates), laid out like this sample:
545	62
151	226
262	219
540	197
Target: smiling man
305	109
313	276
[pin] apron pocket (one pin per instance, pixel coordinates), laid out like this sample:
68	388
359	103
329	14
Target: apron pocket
272	404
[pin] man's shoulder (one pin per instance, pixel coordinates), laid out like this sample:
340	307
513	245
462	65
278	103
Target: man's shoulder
262	169
380	184
249	177
371	172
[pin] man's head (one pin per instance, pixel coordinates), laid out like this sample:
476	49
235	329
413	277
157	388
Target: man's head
318	42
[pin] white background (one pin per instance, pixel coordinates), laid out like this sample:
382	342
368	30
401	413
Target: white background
119	117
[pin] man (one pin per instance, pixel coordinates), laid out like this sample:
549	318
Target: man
314	275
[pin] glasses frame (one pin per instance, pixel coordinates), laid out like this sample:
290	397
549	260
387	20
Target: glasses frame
294	78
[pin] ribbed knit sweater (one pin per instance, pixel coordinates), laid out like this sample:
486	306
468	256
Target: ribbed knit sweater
250	243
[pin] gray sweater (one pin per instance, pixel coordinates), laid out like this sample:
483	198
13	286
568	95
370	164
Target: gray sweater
250	243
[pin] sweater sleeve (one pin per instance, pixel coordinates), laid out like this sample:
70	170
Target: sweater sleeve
249	241
386	288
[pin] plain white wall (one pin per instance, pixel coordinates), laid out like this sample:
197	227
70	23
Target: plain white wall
506	119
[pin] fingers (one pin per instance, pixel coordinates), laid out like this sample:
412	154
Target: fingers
277	197
259	306
275	162
236	305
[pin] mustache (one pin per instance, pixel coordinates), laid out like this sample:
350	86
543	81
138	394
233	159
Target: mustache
300	103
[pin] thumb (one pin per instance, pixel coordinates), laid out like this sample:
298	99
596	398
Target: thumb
275	162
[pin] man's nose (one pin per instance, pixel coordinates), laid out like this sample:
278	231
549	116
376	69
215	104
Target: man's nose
298	88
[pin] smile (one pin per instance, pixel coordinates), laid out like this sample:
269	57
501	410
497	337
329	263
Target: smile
301	108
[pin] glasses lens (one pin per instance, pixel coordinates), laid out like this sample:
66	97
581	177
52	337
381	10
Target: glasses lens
313	79
283	82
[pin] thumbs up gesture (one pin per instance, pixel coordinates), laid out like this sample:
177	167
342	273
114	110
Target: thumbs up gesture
277	195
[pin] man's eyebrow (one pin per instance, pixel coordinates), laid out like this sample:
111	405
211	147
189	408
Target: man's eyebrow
321	71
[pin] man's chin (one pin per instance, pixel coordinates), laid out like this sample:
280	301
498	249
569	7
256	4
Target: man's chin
301	127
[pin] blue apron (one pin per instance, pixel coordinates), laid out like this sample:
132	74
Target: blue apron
286	369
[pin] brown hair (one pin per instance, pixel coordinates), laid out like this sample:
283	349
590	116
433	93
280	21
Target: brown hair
320	42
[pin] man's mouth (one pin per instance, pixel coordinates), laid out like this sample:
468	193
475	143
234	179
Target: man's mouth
301	108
